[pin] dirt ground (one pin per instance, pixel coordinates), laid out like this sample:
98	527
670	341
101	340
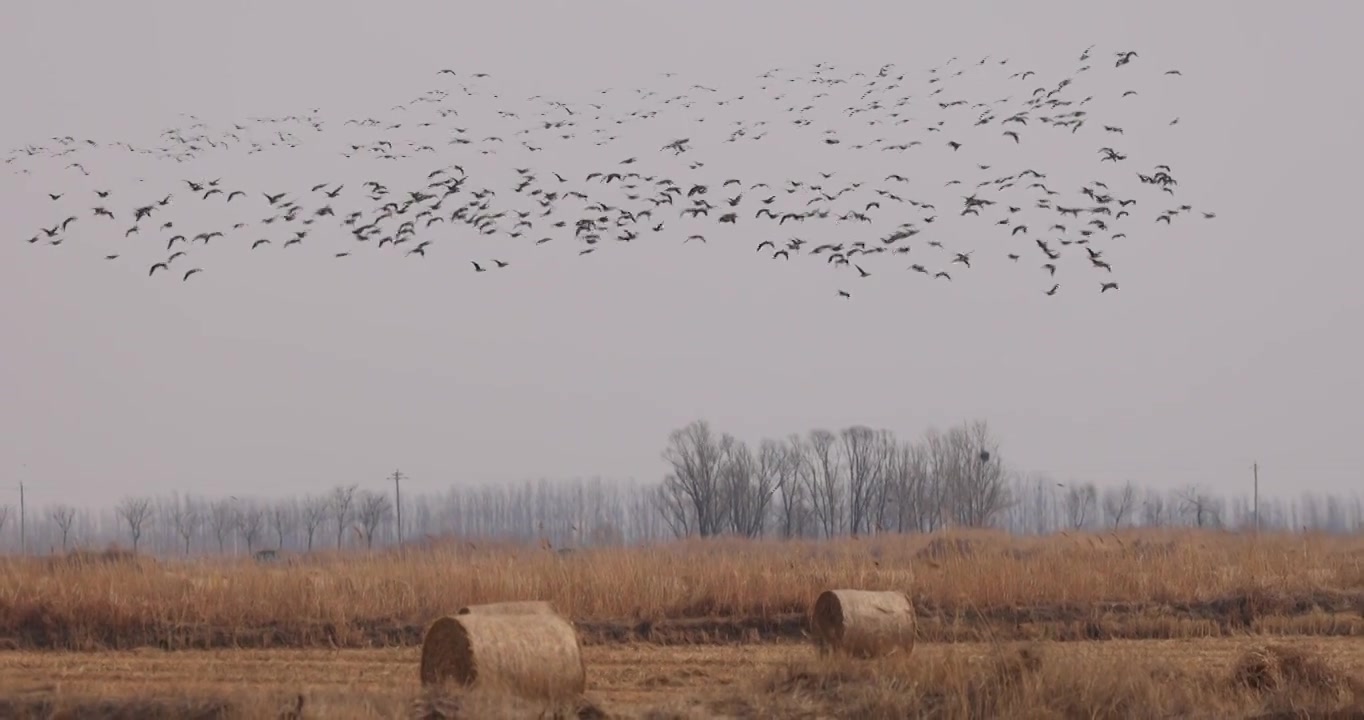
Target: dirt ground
624	680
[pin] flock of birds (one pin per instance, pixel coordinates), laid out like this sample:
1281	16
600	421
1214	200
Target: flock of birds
623	201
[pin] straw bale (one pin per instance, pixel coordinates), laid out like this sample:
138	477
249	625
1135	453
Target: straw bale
863	623
519	607
531	655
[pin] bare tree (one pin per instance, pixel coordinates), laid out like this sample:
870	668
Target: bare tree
863	453
64	516
1118	503
769	473
4	516
314	514
342	499
878	511
698	457
792	492
1038	497
908	485
222	519
1153	509
282	518
374	508
251	523
1198	507
976	475
736	490
823	480
749	483
924	483
186	519
672	504
136	511
943	472
1080	503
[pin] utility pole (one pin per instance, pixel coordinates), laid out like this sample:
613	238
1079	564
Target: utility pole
23	530
1255	468
398	501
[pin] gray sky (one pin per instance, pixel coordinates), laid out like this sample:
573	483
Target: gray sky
1230	341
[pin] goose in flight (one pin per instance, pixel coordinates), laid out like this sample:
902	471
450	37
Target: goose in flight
628	192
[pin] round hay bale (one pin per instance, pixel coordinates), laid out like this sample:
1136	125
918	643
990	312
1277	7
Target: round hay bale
863	623
534	656
519	607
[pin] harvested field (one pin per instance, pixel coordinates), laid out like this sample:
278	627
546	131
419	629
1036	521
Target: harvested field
1170	677
1127	625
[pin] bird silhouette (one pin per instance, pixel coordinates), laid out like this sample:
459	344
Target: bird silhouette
848	114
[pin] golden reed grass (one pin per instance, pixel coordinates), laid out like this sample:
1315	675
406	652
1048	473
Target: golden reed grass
863	623
93	604
522	607
1059	681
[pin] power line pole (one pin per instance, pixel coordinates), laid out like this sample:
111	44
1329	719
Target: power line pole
1255	468
23	529
398	501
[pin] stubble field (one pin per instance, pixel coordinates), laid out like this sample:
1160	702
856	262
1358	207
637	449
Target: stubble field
1118	625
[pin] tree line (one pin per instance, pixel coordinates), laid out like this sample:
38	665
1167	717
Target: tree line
857	481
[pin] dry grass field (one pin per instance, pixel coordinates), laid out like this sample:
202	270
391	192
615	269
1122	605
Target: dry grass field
1119	625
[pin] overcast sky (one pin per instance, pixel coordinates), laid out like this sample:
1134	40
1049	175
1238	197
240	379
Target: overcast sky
1231	341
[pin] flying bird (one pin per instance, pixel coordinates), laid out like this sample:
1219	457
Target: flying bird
618	199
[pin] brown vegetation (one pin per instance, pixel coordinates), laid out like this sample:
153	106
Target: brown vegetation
1223	678
714	628
968	587
1027	680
